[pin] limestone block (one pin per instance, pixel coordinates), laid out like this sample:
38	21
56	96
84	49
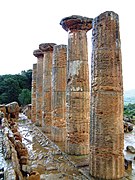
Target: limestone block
34	176
13	109
3	109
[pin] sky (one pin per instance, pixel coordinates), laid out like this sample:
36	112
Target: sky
24	24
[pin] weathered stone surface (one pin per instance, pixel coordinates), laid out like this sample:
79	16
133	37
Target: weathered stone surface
77	92
106	133
14	150
16	165
47	49
128	127
12	110
34	176
131	149
3	109
44	47
39	85
128	164
33	93
76	22
37	53
27	111
58	130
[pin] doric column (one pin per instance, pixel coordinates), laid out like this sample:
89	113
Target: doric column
59	93
47	49
107	134
33	93
39	85
77	93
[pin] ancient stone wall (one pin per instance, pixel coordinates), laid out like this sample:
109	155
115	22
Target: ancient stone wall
77	92
33	93
59	93
106	125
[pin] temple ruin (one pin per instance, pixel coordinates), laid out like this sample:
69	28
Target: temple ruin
63	95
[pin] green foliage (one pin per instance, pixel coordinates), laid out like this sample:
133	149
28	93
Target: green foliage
11	87
28	76
129	110
25	97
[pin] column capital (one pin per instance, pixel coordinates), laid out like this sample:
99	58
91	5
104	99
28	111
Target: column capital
46	47
76	22
38	53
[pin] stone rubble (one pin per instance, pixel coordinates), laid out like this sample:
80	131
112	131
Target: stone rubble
130	149
128	127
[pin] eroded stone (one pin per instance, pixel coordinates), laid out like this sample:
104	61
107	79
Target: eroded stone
106	133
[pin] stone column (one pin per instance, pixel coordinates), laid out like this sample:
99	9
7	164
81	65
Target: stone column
39	85
107	134
47	49
59	93
33	93
77	93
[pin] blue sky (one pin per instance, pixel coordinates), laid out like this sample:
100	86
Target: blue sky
24	24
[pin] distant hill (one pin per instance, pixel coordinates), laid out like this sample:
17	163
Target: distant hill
129	96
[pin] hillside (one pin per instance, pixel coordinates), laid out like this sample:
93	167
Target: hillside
129	96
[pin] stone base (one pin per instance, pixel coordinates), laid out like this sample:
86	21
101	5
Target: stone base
46	129
76	149
107	166
58	134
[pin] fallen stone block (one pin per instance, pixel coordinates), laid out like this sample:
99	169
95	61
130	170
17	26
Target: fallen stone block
130	149
23	160
128	127
34	176
128	164
22	152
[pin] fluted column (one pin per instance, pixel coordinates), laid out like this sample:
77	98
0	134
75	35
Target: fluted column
33	93
77	93
107	134
47	49
39	85
59	93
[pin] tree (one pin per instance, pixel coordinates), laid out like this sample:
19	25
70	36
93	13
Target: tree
28	75
10	90
129	110
11	86
25	97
